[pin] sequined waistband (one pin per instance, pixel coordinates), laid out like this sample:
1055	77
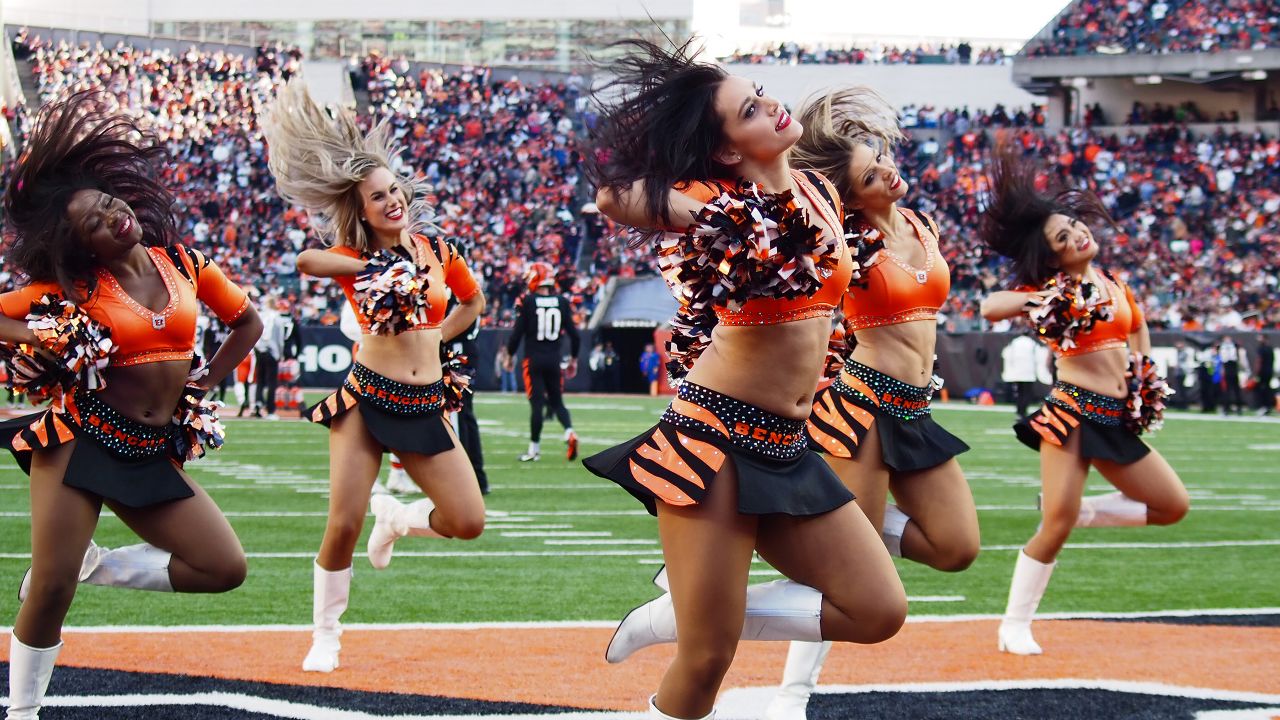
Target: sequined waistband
1092	406
891	396
395	397
745	426
866	322
773	317
125	438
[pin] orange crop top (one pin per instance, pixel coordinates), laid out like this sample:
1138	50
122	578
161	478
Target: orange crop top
447	269
772	311
141	335
894	292
1105	335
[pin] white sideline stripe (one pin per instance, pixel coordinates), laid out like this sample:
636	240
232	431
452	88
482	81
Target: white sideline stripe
311	554
610	624
1128	686
744	703
295	711
1193	544
658	551
604	484
1245	506
584	513
229	513
1110	546
1246	714
517	526
558	534
600	542
1168	415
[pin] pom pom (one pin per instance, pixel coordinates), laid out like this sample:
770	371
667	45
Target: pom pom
199	428
73	351
457	378
837	350
865	243
690	336
1144	407
392	293
746	244
1071	309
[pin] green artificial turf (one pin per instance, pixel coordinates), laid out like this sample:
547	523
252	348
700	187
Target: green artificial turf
269	468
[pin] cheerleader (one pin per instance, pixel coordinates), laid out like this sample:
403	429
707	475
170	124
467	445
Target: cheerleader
93	230
394	399
727	470
873	424
1107	392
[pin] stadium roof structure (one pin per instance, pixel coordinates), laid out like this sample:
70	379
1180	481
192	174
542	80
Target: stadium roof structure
634	302
1042	74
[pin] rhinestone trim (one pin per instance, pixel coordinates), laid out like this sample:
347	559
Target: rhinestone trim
151	356
863	322
395	397
1095	408
893	397
732	318
750	428
125	438
1085	350
921	275
157	320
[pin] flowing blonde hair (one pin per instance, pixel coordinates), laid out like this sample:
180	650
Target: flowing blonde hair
319	161
835	124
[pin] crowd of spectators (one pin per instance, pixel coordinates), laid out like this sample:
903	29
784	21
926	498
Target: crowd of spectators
1197	230
1198	215
790	53
499	156
962	120
503	163
1161	26
204	106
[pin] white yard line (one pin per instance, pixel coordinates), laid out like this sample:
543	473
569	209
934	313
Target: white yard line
596	624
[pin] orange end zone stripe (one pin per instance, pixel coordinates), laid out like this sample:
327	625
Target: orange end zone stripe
564	666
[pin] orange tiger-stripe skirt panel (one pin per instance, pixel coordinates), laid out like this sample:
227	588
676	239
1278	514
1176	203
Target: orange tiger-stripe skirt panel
1098	418
677	461
114	457
863	399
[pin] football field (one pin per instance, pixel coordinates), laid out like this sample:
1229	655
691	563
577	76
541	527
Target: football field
563	549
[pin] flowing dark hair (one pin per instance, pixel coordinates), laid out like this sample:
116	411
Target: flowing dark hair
1013	224
80	143
657	122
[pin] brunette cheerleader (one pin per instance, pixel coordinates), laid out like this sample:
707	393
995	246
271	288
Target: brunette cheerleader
1107	391
727	470
94	230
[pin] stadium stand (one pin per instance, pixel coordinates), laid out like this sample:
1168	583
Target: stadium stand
1196	210
790	53
1163	26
